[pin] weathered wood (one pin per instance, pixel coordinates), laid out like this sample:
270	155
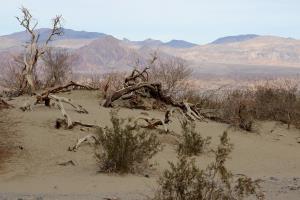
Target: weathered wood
4	105
64	123
77	107
44	97
82	140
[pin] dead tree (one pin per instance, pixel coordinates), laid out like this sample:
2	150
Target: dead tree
34	49
44	97
138	84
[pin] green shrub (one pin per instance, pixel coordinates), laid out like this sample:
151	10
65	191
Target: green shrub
185	181
191	143
123	147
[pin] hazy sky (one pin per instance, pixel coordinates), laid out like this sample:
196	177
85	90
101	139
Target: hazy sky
199	21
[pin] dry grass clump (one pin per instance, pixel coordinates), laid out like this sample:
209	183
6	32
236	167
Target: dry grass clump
125	148
185	181
191	143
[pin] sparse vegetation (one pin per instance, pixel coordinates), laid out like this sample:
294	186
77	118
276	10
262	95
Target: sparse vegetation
185	181
191	143
173	74
57	66
124	148
241	108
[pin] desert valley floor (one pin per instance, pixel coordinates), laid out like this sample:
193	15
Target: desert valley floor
33	171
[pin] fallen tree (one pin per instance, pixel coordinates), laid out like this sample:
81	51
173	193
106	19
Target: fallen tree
137	84
44	97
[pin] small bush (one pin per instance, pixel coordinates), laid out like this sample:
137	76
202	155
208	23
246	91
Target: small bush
124	148
241	108
192	143
57	66
185	181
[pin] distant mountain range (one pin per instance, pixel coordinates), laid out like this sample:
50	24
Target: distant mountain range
67	34
102	52
232	39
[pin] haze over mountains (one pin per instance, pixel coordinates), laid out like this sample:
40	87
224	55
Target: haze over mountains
101	52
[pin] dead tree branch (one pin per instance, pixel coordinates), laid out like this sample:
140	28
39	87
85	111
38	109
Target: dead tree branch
4	105
44	97
82	140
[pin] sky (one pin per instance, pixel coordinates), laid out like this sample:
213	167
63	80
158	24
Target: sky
198	21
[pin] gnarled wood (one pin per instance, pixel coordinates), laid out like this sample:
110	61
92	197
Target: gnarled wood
4	104
82	140
44	97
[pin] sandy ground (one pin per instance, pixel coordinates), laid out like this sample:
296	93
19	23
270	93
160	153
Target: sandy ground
272	154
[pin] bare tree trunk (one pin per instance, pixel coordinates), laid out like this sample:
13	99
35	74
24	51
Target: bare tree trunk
30	81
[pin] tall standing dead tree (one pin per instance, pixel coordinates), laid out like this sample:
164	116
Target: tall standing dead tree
34	49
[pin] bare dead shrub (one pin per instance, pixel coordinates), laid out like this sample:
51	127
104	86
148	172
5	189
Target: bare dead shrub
242	107
185	181
57	66
124	148
191	143
173	73
238	109
111	82
12	77
279	103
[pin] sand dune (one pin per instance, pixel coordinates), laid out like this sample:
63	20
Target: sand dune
272	154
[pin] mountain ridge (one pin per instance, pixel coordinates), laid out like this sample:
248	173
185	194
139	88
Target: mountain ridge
99	51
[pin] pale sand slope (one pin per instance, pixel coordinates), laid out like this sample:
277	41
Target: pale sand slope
273	155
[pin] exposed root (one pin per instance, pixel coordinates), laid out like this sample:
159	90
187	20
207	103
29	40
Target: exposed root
192	114
4	105
152	123
67	119
27	106
69	124
82	140
78	107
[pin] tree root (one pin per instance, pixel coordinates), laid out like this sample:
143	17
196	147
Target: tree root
78	107
82	140
4	105
67	123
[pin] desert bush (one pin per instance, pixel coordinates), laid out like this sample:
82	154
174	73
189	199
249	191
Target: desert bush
124	148
191	143
238	109
57	66
12	77
241	108
185	181
277	103
173	73
111	82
